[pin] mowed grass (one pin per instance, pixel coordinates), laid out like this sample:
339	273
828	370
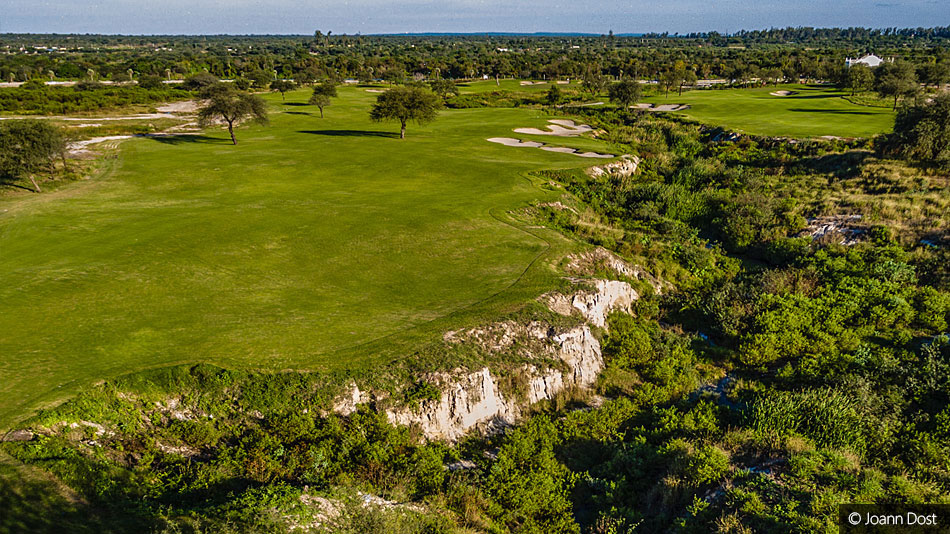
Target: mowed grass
319	244
814	111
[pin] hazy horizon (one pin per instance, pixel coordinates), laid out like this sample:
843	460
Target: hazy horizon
456	16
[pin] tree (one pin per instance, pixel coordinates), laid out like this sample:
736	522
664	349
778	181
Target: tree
282	86
406	104
670	79
922	132
444	88
231	105
151	81
625	92
200	81
260	78
936	74
553	96
28	146
322	93
897	80
860	78
689	78
593	81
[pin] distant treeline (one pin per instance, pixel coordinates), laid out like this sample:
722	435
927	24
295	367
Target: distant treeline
798	52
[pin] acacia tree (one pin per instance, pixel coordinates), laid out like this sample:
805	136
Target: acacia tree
406	104
322	93
29	146
860	78
897	80
282	86
231	105
625	92
444	88
922	132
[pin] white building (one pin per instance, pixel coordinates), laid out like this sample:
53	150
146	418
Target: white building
869	60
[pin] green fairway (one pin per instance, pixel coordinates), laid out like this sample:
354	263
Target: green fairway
312	244
813	111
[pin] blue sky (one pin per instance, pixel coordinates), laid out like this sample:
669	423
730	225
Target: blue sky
394	16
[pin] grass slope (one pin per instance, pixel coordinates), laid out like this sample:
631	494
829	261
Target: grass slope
813	111
312	244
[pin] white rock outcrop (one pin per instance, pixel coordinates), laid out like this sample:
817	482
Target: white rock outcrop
476	400
627	166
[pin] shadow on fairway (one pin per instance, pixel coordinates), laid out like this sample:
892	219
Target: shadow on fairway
835	111
298	113
295	104
351	133
182	139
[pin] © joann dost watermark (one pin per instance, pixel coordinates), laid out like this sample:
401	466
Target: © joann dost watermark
884	518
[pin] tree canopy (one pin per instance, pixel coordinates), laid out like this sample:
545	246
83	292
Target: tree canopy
29	146
322	93
625	92
231	105
406	104
922	132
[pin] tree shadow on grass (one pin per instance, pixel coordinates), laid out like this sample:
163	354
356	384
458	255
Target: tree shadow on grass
834	111
295	104
298	113
351	133
182	139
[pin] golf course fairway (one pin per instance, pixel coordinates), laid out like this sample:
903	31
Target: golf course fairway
312	244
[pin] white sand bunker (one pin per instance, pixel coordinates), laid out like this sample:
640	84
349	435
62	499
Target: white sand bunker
783	93
558	127
528	82
510	141
661	107
375	91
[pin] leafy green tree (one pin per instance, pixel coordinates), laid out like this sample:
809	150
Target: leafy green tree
936	74
860	78
406	104
444	88
322	93
593	81
282	86
29	146
151	81
227	103
553	96
896	80
260	78
922	131
200	81
625	92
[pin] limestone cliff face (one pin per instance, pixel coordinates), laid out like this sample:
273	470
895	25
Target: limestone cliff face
472	400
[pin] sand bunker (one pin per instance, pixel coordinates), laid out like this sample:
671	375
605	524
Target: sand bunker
510	141
558	127
527	82
375	91
661	107
783	93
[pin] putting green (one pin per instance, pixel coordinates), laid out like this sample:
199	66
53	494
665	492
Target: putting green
812	111
314	243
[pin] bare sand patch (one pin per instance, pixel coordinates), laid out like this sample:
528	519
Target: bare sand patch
184	106
562	149
529	82
375	91
783	93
